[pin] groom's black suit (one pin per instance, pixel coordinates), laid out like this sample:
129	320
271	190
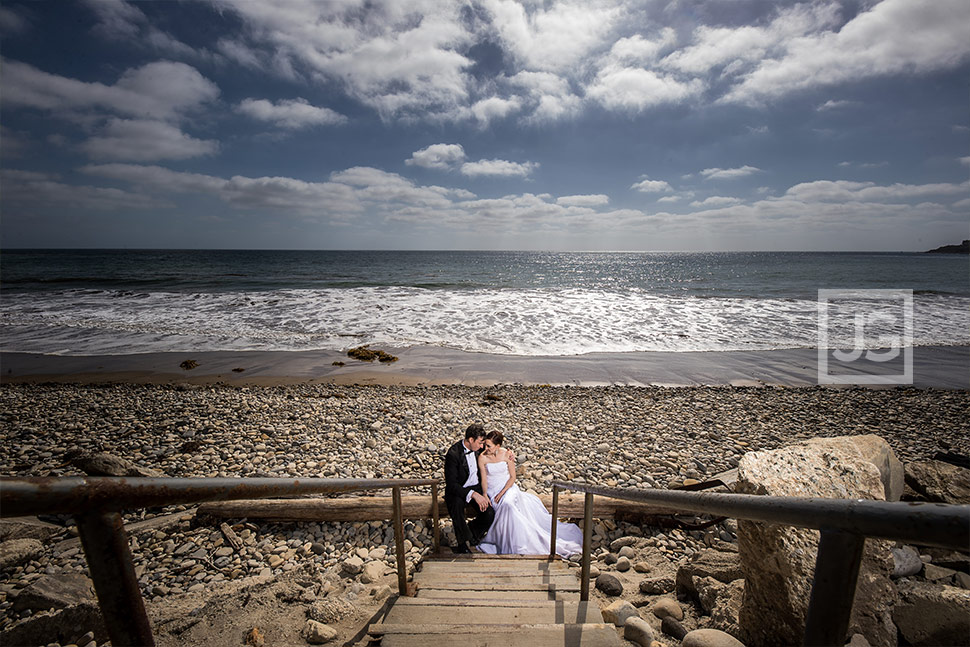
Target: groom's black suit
456	496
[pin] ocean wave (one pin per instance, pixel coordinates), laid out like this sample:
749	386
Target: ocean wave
514	321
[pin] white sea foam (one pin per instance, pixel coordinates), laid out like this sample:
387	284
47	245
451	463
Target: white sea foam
519	322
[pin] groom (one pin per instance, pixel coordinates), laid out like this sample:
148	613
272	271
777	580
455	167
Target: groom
463	485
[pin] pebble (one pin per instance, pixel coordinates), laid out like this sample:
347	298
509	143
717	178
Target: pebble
710	638
667	607
637	434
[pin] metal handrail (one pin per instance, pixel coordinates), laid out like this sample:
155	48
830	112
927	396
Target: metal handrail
844	526
96	503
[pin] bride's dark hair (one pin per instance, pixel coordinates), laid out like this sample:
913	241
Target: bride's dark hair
496	437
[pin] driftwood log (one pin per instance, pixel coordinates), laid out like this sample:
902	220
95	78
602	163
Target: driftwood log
379	508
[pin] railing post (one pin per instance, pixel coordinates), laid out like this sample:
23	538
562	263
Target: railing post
836	572
106	549
587	540
555	525
402	574
435	523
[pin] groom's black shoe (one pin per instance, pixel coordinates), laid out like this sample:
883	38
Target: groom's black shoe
460	549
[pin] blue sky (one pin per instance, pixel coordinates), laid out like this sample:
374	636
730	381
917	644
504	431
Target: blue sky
490	124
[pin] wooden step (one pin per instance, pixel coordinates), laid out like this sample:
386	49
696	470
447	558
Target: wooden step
446	594
533	566
497	578
531	635
486	612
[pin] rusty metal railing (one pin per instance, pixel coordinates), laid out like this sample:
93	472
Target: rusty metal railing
97	502
844	526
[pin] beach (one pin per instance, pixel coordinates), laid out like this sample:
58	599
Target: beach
213	424
946	367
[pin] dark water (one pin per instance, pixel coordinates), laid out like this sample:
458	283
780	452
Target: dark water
530	303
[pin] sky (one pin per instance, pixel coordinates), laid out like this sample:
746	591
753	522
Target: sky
686	125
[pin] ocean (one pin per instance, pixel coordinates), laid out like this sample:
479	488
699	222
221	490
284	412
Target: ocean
94	302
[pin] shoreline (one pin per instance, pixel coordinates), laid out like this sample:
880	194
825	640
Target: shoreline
944	367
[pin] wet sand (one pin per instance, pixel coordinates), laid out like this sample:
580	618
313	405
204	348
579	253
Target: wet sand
945	367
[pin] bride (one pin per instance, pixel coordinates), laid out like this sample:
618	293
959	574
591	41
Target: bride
521	524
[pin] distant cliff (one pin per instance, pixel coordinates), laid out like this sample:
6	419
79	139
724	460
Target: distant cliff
962	248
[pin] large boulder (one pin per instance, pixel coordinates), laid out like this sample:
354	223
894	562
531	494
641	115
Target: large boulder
932	614
779	561
722	602
939	482
55	592
15	552
722	566
878	452
103	464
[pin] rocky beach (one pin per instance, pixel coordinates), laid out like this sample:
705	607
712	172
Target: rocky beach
338	573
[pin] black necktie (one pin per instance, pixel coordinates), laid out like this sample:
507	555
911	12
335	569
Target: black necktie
469	451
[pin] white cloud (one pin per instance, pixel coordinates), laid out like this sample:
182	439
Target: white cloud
892	37
291	114
964	160
593	200
715	201
39	190
399	58
669	198
636	89
160	90
550	95
494	108
555	37
647	185
732	49
438	156
11	22
498	168
143	140
846	191
728	173
832	104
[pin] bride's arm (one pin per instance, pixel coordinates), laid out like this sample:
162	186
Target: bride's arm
484	473
509	483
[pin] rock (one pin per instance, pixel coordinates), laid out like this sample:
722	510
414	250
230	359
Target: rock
932	614
858	640
722	566
62	625
636	630
328	610
962	580
623	564
372	572
317	633
657	585
710	638
672	627
617	545
778	561
55	592
102	464
939	482
255	638
722	602
878	452
940	574
15	552
609	584
641	567
665	607
27	528
906	562
382	592
626	551
352	566
618	611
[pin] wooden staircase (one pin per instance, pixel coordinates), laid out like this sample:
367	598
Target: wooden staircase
493	600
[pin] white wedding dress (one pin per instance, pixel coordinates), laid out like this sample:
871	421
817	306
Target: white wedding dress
522	524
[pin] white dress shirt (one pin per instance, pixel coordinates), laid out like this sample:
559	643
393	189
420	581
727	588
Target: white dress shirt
472	471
